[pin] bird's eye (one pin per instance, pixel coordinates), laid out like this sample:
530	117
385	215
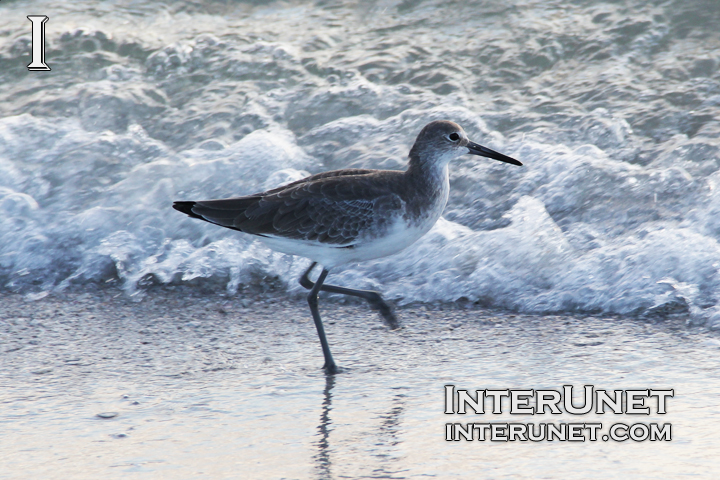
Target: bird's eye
454	136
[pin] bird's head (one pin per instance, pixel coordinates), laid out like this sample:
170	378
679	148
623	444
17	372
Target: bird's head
441	141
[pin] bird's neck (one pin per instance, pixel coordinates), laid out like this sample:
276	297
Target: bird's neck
427	186
428	175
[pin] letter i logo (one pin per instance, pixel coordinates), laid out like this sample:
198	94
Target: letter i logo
38	43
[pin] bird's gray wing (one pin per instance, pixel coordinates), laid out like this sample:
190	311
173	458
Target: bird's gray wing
329	210
320	176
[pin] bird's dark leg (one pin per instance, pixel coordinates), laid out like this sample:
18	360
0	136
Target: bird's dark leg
373	298
329	366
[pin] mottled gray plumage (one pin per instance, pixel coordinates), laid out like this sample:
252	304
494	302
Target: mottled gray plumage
337	207
325	207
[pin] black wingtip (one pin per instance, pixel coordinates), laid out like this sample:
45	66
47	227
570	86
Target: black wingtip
186	208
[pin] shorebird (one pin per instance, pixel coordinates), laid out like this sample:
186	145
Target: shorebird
347	216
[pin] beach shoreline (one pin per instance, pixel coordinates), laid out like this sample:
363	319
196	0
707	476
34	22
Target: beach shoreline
167	315
96	384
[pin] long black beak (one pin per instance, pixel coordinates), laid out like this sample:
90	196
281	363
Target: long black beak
476	149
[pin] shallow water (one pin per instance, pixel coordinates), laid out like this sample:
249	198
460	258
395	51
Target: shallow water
202	386
612	106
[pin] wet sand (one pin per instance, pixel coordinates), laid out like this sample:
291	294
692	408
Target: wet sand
195	385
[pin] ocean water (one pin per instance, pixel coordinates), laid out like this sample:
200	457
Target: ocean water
613	107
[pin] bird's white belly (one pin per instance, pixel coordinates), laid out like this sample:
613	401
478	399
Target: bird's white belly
396	237
401	231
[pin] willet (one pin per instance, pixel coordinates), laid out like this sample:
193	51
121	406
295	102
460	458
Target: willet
352	215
